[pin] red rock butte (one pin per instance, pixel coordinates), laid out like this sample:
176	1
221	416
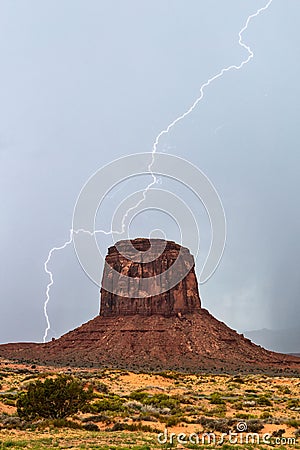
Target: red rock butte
182	298
143	326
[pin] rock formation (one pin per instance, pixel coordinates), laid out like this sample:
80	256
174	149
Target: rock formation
143	327
182	298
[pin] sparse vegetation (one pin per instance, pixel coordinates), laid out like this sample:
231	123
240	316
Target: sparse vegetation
121	410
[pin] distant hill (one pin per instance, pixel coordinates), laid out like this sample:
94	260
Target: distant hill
283	341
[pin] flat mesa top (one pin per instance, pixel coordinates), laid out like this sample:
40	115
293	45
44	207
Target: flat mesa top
144	244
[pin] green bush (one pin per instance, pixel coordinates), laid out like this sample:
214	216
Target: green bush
216	399
163	401
139	396
264	401
55	398
238	405
172	421
9	402
113	403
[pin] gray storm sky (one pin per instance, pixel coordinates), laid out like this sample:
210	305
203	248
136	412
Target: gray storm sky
85	82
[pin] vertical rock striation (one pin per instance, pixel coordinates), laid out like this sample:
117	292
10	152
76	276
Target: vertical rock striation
160	257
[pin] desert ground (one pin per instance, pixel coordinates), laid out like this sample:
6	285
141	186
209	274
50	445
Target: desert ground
129	410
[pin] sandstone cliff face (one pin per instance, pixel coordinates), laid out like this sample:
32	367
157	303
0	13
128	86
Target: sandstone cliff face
181	299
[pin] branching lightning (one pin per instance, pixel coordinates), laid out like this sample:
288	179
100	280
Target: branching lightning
48	272
154	150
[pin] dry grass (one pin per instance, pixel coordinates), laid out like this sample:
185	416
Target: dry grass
130	409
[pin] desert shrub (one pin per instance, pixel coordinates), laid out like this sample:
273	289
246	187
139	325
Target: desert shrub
90	426
163	401
284	389
64	423
238	379
293	403
11	421
11	395
157	400
165	411
102	388
238	406
170	375
216	399
144	417
139	396
220	425
97	418
113	403
9	402
275	421
254	426
185	399
150	409
244	416
218	411
134	404
297	433
263	401
119	426
266	415
55	398
278	433
249	403
252	391
174	420
293	423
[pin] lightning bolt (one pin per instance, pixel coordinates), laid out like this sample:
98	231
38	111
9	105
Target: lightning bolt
211	80
49	273
154	150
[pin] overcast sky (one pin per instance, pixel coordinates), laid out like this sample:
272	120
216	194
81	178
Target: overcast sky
85	82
